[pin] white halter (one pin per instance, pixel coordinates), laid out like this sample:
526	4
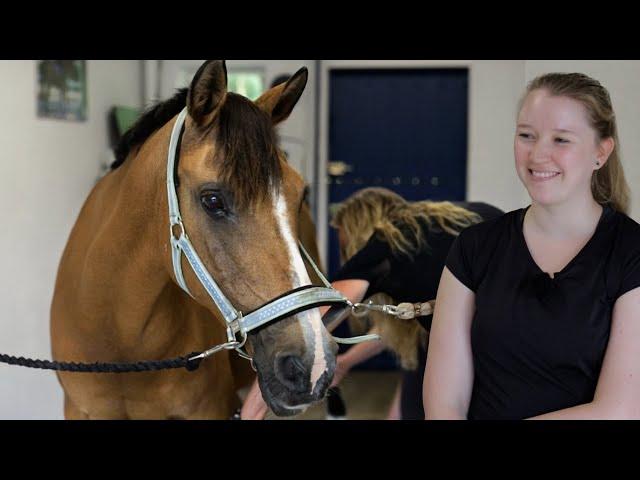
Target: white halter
302	298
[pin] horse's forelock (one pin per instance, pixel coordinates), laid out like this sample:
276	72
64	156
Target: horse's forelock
247	148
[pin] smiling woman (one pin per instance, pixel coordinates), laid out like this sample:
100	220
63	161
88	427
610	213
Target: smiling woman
532	306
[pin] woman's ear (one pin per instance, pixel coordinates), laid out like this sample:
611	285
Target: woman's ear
605	148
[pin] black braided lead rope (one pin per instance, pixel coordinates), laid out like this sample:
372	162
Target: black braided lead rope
98	367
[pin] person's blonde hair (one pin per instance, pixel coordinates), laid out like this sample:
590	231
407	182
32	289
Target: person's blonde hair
608	184
382	212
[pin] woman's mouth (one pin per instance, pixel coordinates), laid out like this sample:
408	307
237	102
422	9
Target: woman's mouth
543	175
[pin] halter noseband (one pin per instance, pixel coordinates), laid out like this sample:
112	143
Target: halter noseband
294	301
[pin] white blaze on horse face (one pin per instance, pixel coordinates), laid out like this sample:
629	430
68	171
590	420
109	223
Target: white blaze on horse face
308	318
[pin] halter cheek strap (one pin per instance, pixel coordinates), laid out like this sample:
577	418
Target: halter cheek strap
297	300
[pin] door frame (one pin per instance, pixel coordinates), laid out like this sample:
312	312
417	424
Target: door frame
325	67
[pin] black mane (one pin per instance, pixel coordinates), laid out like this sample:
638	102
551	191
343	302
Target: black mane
247	142
150	121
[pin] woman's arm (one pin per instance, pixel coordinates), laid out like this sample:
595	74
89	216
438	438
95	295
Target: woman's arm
354	289
617	394
448	376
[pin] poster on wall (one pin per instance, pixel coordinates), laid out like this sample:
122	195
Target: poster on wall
62	89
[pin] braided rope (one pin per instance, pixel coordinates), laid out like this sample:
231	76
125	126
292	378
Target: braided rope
100	367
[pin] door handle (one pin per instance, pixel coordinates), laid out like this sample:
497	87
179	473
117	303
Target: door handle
339	169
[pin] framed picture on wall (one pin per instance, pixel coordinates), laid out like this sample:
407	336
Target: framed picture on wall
62	89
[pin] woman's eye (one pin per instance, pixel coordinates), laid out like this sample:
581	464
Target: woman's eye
213	203
562	140
526	136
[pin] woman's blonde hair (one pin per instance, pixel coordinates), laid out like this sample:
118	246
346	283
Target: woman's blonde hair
608	184
383	212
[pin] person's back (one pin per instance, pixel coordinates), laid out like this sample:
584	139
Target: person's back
404	276
413	277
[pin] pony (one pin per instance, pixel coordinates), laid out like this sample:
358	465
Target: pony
117	297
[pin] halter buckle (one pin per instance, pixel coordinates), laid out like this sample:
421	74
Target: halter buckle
361	309
173	223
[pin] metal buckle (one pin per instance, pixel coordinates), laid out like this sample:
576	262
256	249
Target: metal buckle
361	309
182	230
216	349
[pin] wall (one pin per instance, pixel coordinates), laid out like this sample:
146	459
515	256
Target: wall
47	168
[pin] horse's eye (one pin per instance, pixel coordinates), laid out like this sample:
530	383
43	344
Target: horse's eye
213	203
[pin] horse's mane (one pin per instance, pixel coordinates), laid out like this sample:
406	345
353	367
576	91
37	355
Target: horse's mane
245	136
150	121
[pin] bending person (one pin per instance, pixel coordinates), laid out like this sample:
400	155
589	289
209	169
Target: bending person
398	248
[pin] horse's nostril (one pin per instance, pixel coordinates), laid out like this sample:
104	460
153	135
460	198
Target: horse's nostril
290	370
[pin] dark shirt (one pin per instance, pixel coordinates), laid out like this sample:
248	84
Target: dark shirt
407	280
538	343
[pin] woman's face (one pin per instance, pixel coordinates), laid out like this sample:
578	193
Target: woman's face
556	149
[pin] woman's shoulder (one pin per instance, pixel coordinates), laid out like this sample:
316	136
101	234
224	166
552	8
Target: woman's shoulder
627	224
623	257
627	232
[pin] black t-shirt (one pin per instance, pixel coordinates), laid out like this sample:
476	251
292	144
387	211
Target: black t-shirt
538	343
407	279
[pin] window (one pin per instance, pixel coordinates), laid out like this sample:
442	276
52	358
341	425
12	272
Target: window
249	83
246	82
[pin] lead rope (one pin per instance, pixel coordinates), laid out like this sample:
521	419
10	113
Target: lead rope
190	362
404	311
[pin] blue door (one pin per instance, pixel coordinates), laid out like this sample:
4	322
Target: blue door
403	129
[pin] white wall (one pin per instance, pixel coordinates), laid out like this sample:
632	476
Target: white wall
47	168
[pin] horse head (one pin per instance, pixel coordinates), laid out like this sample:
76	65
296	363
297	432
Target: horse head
240	203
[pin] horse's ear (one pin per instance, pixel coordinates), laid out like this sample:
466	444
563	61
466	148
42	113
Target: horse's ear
207	91
280	100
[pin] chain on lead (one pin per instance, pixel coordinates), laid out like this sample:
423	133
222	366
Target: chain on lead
361	309
404	311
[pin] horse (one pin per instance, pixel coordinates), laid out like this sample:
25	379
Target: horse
117	297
